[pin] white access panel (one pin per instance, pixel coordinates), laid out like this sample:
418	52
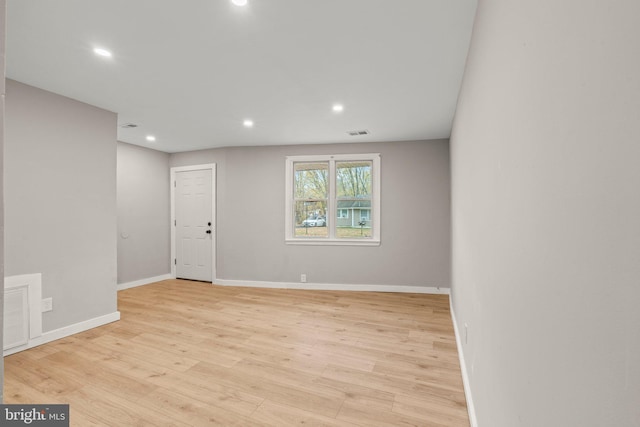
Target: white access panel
16	317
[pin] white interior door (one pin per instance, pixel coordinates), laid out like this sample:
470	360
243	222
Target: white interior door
194	224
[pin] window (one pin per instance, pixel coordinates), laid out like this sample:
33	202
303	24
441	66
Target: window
333	199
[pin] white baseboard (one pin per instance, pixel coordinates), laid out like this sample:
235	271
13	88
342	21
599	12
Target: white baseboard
463	366
142	282
66	331
333	286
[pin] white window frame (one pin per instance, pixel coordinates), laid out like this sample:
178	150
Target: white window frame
332	215
368	217
339	214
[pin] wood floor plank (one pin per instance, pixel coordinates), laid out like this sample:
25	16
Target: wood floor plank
207	391
298	397
108	408
281	415
360	394
394	384
112	380
422	373
367	416
149	354
189	353
39	377
434	409
17	391
79	418
185	349
193	412
301	360
287	376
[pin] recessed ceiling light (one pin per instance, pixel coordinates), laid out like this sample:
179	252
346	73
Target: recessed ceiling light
102	52
248	123
239	2
151	138
338	108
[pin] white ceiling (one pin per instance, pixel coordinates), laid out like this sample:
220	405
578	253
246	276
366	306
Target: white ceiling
190	72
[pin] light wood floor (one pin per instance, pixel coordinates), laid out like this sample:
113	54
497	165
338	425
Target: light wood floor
188	353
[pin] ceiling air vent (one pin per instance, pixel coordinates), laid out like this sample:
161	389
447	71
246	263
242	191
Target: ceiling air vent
129	125
358	132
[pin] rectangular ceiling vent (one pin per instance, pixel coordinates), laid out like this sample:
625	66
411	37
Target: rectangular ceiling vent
358	132
129	125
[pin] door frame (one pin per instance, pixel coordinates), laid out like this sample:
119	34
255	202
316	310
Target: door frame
214	230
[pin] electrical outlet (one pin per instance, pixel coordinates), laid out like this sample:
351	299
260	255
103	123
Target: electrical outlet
466	333
303	278
47	304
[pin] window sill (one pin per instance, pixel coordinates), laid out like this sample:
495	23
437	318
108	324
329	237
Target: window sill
333	242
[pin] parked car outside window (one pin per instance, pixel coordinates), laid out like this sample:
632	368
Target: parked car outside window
319	221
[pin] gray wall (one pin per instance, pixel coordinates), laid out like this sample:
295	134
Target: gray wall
143	213
415	227
546	213
3	9
60	194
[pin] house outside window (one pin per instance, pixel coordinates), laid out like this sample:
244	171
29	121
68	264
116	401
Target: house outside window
333	199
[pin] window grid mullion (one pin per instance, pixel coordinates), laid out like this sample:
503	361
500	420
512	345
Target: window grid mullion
331	204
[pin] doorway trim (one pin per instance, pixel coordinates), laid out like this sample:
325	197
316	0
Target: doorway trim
214	229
